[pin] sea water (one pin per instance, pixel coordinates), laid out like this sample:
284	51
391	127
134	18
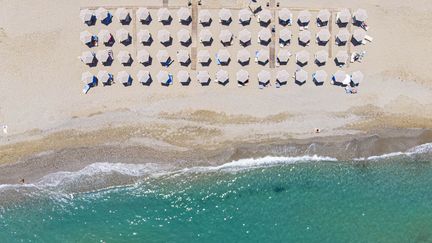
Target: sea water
272	199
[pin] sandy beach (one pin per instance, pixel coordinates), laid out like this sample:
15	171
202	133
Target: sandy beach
52	126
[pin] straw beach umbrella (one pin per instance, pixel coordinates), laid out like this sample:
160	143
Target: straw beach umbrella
360	16
283	56
164	16
302	58
264	36
123	15
358	36
304	18
164	78
124	57
341	78
88	57
225	37
105	36
255	6
145	37
104	56
183	57
143	56
183	77
163	57
304	37
87	78
282	77
242	77
184	36
301	77
263	57
184	15
204	17
225	16
323	36
203	57
144	77
86	37
206	37
104	77
243	57
124	78
143	15
87	16
342	37
223	56
222	77
244	16
164	37
123	36
321	57
319	77
244	37
356	78
343	17
103	15
341	58
285	16
285	37
265	17
323	17
264	77
203	77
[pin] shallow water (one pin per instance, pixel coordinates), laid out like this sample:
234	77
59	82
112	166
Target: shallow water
383	199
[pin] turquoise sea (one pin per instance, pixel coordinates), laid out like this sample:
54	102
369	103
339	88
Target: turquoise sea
304	199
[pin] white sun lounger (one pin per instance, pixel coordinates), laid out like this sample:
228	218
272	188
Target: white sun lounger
368	38
86	89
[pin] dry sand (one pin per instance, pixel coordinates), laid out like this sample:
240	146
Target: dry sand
42	104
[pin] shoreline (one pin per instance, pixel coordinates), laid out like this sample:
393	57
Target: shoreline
53	126
91	147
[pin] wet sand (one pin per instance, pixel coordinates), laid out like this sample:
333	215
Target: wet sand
53	126
84	151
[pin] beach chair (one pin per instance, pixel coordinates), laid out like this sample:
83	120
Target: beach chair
5	129
354	56
218	62
368	38
86	89
170	79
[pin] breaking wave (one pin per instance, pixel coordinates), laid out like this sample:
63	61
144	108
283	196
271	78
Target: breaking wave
100	175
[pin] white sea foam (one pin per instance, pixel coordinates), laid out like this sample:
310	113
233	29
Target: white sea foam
99	170
257	162
421	149
92	171
424	148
